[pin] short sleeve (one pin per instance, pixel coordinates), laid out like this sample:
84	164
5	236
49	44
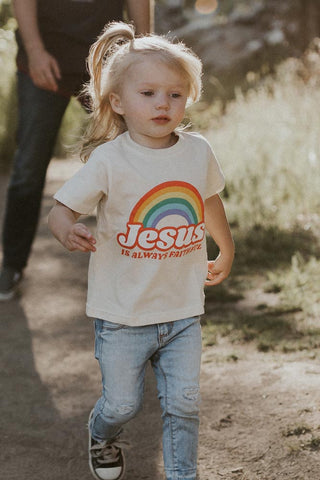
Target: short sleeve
84	190
215	177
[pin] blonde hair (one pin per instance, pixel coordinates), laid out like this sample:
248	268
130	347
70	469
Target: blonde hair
109	59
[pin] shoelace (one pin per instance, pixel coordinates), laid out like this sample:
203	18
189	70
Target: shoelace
108	452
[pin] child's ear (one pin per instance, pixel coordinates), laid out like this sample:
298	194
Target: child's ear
115	102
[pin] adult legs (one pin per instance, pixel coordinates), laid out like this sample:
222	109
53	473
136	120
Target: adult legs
177	368
40	116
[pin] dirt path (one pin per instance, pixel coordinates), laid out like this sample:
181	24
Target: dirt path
260	417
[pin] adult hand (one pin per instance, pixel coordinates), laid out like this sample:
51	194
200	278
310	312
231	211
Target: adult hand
44	69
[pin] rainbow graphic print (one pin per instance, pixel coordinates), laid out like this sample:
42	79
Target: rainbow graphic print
169	198
167	221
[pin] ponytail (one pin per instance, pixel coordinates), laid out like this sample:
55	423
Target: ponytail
113	35
104	123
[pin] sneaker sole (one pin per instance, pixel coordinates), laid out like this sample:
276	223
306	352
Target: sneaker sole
5	297
89	454
10	294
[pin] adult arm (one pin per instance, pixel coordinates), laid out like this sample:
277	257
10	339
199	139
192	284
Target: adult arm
218	227
71	234
141	13
43	67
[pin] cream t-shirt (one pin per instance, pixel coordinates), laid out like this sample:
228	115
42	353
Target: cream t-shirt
151	263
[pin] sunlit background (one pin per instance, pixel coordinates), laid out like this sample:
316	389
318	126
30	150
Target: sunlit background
260	110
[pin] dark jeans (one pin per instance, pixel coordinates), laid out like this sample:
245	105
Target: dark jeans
40	116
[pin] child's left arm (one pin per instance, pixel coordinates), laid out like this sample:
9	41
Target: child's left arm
218	227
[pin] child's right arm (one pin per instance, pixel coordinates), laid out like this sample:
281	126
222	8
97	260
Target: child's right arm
218	227
72	235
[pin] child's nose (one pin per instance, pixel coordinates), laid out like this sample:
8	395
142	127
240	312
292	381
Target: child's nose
162	102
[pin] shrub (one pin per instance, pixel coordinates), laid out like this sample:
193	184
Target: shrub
268	144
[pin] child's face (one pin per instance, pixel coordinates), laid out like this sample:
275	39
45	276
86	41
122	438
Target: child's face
152	102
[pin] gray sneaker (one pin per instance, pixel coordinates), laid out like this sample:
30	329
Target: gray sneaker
9	279
106	459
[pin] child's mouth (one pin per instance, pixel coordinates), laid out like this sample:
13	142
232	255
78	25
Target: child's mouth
161	119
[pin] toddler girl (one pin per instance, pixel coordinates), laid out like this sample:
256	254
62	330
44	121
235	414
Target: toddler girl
156	190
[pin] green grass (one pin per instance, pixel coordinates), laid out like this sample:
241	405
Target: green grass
313	444
297	430
268	145
298	288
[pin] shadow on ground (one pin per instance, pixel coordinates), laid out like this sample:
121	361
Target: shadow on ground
49	377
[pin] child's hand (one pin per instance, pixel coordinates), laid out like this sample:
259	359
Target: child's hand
218	269
80	238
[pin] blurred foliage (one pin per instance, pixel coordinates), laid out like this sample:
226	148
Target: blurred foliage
227	6
73	120
273	161
268	145
70	130
7	89
5	12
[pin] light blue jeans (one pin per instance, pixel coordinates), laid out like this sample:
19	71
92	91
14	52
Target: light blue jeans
174	350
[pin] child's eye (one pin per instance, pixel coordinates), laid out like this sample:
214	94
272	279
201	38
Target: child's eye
147	93
175	95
